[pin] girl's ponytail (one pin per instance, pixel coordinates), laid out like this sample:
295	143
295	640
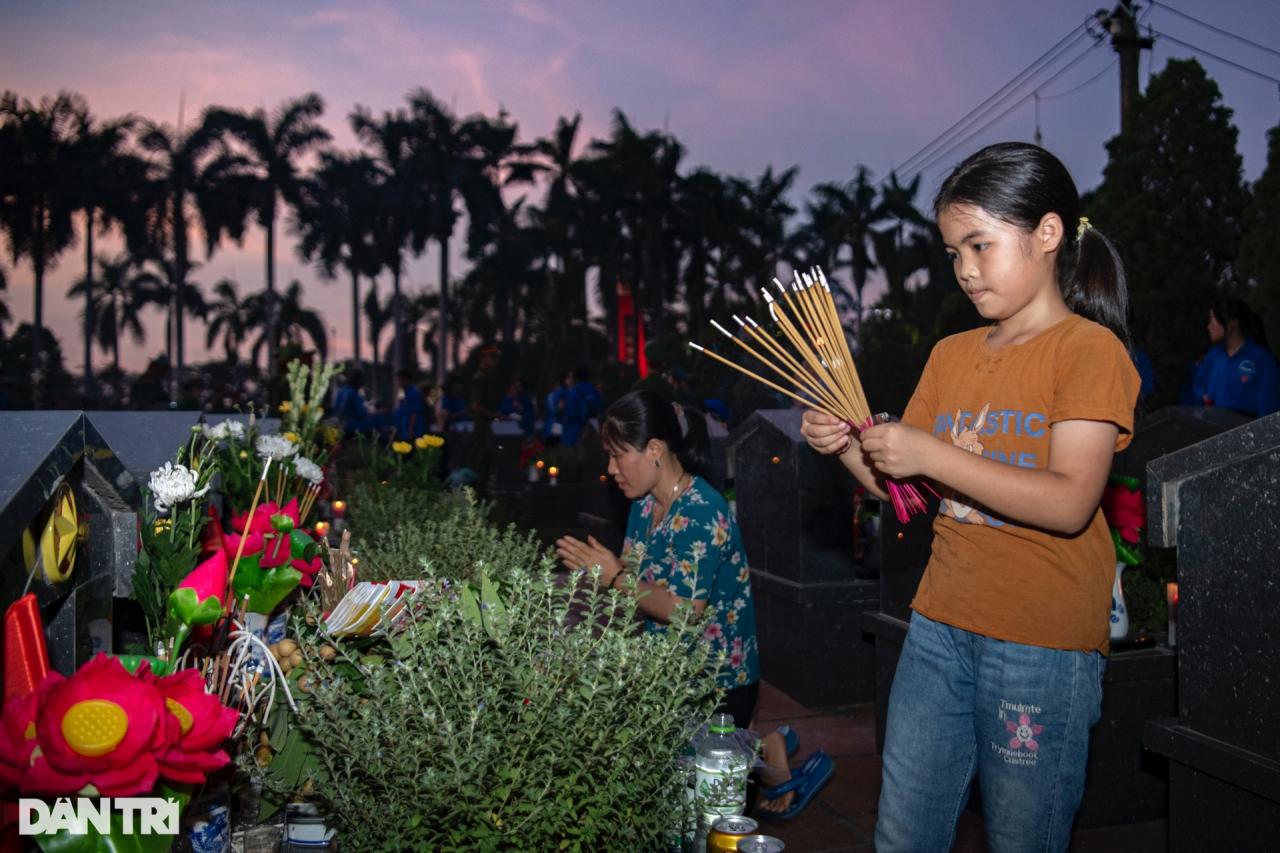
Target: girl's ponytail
1096	288
1021	183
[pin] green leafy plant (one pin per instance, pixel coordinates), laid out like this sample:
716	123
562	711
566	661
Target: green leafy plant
531	717
450	540
169	534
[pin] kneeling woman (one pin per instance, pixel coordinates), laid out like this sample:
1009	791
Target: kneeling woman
682	541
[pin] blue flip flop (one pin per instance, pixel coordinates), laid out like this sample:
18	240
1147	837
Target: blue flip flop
806	781
789	735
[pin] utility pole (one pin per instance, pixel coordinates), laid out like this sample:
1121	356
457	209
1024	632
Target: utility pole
1122	23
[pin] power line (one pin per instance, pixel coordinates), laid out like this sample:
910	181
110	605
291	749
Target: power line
932	160
1223	59
1074	89
1219	30
1018	79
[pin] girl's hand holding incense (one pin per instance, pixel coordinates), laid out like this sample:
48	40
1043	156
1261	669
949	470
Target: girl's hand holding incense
897	450
826	434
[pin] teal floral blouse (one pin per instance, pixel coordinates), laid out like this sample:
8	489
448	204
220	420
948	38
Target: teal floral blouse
696	552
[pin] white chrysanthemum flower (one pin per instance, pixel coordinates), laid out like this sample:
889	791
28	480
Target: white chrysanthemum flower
308	470
276	447
224	430
172	485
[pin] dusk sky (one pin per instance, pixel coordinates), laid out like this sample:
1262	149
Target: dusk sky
743	85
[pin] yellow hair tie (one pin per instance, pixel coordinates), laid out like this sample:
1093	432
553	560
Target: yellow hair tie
1082	226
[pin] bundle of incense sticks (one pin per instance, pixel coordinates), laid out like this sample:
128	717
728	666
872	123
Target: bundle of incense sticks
818	370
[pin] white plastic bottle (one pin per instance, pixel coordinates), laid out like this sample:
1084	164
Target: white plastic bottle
721	767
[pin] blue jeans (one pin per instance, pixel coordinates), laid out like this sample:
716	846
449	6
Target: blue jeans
1018	716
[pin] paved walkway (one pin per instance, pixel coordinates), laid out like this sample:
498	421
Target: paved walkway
842	816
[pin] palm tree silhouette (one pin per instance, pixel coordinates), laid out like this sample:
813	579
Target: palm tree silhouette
109	180
403	202
37	187
293	321
275	145
904	238
840	216
458	159
229	318
115	302
159	284
5	316
378	315
192	175
334	220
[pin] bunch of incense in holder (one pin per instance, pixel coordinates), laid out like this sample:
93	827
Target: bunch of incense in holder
308	501
817	370
244	534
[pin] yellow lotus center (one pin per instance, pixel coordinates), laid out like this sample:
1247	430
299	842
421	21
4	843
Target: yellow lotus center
185	721
94	727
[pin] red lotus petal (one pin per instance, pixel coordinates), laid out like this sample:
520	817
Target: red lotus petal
309	568
231	543
211	721
101	678
276	553
41	778
261	519
193	762
210	577
291	509
137	778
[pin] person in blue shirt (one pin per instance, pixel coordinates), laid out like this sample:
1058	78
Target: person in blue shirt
1146	374
349	405
682	544
588	393
410	415
1237	372
517	405
453	407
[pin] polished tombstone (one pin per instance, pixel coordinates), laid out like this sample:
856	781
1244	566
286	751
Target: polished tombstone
1216	502
504	446
795	509
1169	429
44	451
1123	784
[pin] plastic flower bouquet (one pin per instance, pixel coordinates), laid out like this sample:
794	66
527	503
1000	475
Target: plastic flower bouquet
109	732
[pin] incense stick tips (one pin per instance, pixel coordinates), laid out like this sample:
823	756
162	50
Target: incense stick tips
768	297
738	320
722	330
695	346
753	322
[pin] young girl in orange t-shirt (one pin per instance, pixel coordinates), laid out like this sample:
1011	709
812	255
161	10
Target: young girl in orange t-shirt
1016	424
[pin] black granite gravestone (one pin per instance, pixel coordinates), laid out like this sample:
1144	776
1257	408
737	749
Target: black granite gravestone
795	509
1169	429
1216	503
44	452
1123	784
505	453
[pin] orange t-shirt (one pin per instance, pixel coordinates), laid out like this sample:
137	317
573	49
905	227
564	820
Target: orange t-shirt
991	575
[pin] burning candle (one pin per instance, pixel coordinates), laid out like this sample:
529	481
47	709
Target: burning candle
540	464
1171	599
552	473
339	509
322	529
